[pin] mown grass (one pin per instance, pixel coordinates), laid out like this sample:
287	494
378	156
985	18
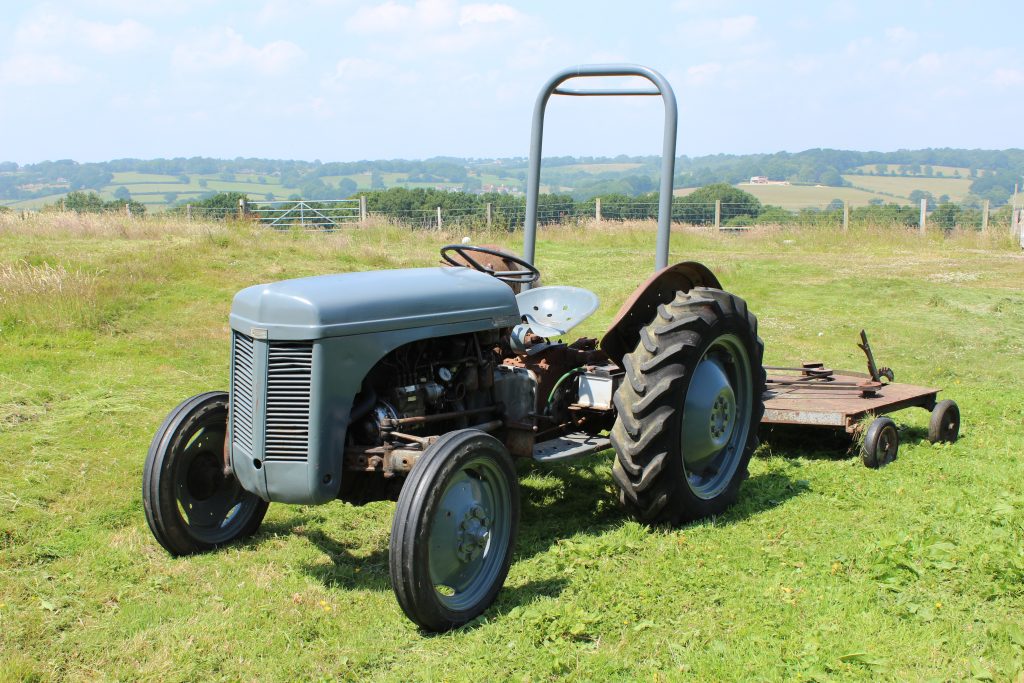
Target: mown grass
825	570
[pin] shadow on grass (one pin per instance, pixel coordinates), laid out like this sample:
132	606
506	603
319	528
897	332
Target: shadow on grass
557	502
821	443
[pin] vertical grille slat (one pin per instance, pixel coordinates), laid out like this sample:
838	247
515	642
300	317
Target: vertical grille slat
289	377
242	382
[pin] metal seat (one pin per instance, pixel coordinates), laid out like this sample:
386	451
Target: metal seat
553	311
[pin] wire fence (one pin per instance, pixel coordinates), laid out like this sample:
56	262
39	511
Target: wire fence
509	215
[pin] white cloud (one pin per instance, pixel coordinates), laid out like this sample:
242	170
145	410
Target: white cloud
52	30
736	28
488	14
900	35
702	74
726	29
391	16
428	15
226	48
1006	77
38	69
109	38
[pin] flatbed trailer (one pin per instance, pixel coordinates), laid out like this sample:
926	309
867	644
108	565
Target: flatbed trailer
818	396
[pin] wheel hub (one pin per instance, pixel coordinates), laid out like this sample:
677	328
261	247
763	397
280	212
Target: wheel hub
473	535
709	415
205	476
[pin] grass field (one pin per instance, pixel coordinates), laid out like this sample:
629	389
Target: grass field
815	196
901	186
824	570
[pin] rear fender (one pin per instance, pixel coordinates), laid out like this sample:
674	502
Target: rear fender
639	309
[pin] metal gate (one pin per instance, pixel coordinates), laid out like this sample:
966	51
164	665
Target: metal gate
326	214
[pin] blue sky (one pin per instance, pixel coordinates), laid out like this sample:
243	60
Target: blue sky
341	80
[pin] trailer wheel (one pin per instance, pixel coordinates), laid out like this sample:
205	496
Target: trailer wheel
881	442
191	505
688	410
945	423
454	530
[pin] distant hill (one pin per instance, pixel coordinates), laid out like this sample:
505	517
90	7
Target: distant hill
814	176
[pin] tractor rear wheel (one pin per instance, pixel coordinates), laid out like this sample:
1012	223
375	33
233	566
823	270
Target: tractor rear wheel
688	410
191	504
454	530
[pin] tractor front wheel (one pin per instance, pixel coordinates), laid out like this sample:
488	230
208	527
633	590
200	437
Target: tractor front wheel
688	409
454	530
192	505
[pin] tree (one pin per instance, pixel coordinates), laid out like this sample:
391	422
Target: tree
735	202
123	194
203	182
170	197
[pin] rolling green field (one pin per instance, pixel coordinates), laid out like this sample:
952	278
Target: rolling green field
816	196
824	570
902	186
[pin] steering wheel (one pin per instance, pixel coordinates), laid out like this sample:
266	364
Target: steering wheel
527	274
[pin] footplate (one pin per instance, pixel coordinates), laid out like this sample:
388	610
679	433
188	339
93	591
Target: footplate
570	446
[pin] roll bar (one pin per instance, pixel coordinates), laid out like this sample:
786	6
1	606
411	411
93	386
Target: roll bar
668	150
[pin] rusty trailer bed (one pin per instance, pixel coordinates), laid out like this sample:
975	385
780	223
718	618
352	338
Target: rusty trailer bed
821	397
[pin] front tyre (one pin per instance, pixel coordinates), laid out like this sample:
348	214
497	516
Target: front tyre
454	530
688	409
191	505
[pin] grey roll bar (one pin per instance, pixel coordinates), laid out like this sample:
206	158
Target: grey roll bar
668	151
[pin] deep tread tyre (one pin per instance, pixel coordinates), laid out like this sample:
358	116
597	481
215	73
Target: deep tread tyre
191	505
454	530
944	425
708	334
881	443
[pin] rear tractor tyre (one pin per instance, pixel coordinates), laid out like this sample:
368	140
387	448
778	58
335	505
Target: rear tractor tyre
454	530
192	505
688	409
944	425
881	443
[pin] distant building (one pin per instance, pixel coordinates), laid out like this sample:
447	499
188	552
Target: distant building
759	180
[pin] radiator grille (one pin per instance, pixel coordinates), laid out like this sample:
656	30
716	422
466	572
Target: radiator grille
289	371
242	390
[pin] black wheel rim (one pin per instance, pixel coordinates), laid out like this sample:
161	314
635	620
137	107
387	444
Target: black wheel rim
213	506
888	442
469	534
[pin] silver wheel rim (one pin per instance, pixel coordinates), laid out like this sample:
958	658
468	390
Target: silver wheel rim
716	417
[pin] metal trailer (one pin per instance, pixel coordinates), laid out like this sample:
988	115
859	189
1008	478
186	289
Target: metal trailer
818	396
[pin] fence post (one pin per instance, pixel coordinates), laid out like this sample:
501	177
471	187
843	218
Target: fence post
439	223
489	215
128	209
362	208
718	214
241	208
846	216
924	214
597	209
984	216
188	212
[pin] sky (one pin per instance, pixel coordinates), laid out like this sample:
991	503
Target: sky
344	80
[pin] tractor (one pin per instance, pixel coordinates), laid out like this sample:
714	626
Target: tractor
430	381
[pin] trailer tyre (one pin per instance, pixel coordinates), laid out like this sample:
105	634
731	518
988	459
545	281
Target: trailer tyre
944	425
191	504
688	409
881	443
454	530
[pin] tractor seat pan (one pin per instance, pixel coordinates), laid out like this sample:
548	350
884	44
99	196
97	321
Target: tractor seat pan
553	311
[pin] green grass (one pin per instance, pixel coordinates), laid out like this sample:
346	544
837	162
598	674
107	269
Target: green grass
817	196
824	570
